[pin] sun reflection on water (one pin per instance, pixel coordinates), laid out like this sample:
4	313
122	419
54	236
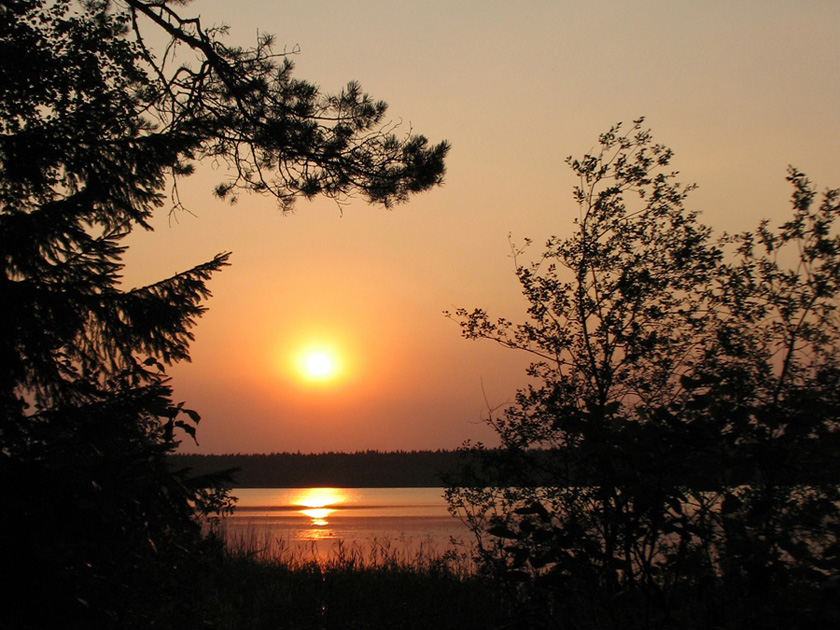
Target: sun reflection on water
318	513
317	504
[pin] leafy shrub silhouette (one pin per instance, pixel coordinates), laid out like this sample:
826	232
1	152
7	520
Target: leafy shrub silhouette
674	462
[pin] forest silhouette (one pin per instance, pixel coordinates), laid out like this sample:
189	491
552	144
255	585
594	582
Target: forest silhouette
364	469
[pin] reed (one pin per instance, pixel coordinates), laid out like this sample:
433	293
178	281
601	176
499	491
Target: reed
256	580
379	552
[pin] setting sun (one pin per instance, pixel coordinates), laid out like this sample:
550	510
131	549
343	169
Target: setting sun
326	360
319	365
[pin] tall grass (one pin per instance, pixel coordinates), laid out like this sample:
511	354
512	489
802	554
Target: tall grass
379	552
257	581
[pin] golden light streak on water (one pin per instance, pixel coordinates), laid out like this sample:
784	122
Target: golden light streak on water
317	504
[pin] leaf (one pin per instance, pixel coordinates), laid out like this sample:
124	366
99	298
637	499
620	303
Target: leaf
502	531
534	508
696	403
188	429
612	408
688	383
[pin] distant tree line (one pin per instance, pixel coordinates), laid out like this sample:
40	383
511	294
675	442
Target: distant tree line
396	469
399	469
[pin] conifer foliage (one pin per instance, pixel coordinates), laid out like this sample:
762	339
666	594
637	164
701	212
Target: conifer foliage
674	462
96	128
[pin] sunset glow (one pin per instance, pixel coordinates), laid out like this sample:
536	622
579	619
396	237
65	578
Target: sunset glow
736	90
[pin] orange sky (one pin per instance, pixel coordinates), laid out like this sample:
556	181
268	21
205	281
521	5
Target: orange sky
738	90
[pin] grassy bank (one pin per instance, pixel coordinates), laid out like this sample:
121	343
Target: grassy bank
244	586
253	585
256	583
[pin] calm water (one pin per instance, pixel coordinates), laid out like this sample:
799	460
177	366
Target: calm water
320	519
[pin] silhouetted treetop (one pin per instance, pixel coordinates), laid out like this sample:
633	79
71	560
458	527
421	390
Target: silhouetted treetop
95	94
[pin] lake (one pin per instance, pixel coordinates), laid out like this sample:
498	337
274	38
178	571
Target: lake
320	522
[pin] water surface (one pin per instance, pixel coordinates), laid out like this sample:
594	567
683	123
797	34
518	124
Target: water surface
320	519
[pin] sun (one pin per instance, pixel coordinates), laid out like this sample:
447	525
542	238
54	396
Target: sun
319	365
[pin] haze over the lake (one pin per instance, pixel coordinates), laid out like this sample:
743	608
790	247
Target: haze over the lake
327	332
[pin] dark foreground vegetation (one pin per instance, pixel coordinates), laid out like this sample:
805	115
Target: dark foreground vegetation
345	594
688	389
241	589
97	127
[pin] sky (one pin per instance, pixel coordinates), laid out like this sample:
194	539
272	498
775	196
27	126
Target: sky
739	91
